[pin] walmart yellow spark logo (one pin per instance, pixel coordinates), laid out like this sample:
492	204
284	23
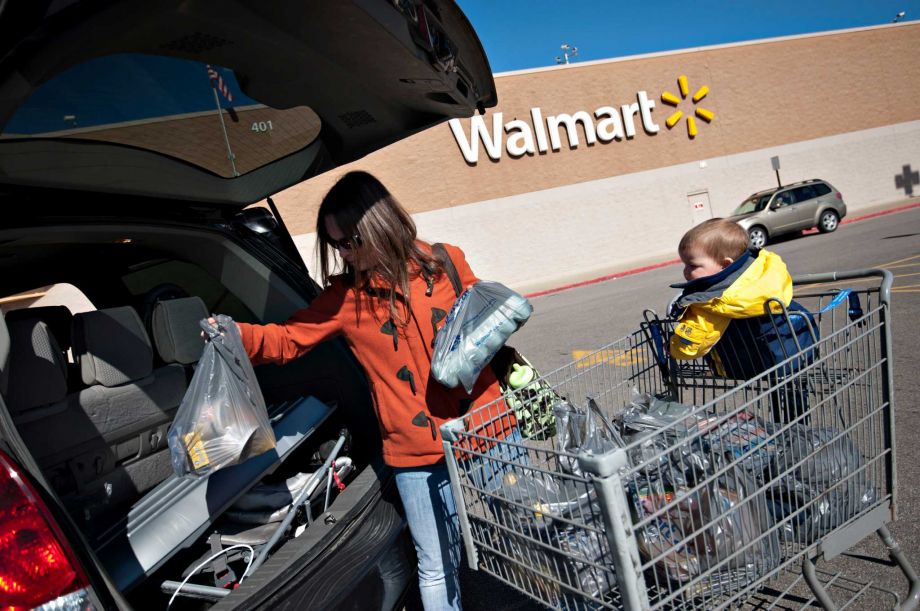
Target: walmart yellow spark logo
669	98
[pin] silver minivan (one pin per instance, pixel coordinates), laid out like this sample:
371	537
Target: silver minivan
781	210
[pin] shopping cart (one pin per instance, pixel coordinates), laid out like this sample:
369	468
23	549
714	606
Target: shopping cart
668	484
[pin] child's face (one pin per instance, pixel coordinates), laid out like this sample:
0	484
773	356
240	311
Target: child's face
698	264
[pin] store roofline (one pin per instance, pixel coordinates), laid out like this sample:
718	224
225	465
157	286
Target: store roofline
727	45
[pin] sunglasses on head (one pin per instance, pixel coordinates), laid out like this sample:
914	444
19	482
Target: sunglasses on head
346	243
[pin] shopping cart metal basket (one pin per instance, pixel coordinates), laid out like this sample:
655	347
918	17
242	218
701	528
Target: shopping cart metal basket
682	487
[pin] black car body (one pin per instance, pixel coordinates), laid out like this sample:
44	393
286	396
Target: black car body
134	139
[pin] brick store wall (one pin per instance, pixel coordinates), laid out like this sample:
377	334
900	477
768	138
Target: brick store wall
764	94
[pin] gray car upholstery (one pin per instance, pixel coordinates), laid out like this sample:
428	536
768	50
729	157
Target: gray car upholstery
176	332
111	347
109	438
37	369
57	317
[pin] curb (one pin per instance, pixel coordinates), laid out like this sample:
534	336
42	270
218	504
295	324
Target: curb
648	268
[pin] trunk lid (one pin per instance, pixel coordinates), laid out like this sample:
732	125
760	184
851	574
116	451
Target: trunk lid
224	102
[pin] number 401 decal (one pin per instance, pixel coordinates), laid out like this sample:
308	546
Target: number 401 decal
261	126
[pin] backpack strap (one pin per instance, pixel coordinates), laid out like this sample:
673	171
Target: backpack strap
448	265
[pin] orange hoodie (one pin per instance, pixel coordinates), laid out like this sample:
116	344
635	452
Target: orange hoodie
411	405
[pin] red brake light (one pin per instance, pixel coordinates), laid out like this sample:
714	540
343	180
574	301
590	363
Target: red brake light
36	565
838	195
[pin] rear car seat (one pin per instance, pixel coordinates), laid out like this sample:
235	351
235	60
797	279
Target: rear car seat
59	320
176	332
108	441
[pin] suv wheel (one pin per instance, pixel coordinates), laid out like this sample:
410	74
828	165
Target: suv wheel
828	221
758	236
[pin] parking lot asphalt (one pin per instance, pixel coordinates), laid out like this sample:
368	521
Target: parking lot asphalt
588	317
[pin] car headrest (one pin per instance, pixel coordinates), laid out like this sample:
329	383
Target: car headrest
111	346
58	318
37	369
176	333
4	354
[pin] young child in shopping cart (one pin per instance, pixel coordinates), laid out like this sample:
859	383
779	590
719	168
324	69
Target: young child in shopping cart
722	313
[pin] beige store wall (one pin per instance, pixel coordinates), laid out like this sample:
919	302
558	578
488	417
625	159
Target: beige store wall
763	94
549	238
835	106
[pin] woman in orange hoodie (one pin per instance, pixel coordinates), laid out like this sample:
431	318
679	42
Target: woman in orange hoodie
388	302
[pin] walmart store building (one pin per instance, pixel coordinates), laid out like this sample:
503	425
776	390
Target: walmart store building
586	169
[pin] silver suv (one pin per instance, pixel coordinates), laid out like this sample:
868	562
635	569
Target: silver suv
802	205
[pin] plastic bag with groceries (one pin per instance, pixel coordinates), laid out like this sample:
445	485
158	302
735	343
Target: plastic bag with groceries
222	419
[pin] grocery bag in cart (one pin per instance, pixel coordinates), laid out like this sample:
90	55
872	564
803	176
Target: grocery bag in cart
708	503
822	483
222	419
697	517
565	538
548	510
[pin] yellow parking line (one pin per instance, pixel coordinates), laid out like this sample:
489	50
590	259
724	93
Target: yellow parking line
910	258
620	358
902	265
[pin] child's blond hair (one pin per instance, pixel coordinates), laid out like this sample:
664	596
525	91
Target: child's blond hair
717	238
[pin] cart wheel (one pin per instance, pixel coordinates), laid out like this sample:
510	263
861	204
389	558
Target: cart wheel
758	236
828	221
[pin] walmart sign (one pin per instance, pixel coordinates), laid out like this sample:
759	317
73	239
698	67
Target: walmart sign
518	137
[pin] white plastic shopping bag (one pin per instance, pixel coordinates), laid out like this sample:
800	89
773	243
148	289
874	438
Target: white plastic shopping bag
222	419
480	322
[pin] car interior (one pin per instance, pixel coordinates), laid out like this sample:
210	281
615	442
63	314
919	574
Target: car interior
137	142
93	393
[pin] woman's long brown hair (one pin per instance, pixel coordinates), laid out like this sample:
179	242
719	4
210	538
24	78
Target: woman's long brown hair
388	251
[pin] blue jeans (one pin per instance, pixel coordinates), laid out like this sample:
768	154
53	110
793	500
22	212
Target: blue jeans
432	518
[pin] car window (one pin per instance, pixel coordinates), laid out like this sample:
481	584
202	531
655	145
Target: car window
63	293
822	189
803	194
185	109
168	279
755	203
784	199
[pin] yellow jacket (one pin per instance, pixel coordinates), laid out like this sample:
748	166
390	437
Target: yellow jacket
738	291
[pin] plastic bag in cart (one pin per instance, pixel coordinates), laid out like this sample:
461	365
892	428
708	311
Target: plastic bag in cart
480	322
667	451
712	536
222	419
532	499
582	430
829	487
742	438
560	530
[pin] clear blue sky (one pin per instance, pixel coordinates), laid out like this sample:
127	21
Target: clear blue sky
521	34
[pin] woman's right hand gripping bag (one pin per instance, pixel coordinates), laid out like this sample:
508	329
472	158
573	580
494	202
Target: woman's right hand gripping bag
222	419
478	325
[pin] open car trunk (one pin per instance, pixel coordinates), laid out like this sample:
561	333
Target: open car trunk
132	134
153	532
